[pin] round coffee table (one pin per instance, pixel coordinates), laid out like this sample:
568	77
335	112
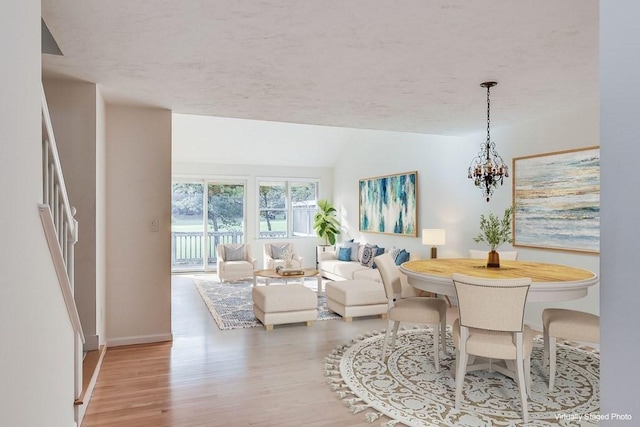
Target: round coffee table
268	275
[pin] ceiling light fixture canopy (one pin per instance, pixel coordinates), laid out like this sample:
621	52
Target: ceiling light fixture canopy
488	169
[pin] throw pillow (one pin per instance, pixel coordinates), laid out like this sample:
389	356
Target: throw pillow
367	255
344	254
354	249
379	251
394	252
233	254
278	250
403	256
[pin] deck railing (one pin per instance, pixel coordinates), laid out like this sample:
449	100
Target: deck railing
187	246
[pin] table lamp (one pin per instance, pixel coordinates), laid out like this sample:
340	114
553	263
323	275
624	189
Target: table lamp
433	237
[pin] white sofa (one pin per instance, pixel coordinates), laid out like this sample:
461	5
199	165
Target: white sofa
332	268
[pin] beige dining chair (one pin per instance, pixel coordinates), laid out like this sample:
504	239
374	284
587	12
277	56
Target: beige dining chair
566	324
491	326
421	310
504	255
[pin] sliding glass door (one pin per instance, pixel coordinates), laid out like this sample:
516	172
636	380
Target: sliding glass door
225	216
199	223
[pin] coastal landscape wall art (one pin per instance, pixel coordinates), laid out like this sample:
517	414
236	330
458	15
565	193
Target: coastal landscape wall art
557	200
387	204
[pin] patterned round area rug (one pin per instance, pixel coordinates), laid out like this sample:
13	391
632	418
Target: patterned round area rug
407	390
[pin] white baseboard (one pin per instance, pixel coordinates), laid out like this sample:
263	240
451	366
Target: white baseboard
140	339
91	342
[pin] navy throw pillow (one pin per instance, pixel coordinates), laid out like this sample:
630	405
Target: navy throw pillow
379	251
403	256
344	254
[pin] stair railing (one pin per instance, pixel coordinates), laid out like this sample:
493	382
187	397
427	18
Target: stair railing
61	231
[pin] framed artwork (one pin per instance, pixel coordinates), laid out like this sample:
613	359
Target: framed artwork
388	204
557	200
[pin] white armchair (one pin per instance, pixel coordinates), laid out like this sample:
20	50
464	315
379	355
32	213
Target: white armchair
273	255
235	261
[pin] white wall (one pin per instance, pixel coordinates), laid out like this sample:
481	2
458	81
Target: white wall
101	218
72	105
559	131
138	190
447	198
620	133
36	360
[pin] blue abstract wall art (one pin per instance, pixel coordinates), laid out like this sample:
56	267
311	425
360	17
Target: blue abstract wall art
388	204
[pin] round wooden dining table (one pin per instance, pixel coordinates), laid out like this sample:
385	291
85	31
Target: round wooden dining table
550	282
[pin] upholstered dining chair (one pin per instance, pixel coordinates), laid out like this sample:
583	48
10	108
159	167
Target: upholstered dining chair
235	261
274	252
491	326
422	310
504	255
567	324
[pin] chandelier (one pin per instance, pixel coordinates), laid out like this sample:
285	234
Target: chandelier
488	169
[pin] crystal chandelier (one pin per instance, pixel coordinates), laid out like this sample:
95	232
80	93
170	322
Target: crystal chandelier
488	169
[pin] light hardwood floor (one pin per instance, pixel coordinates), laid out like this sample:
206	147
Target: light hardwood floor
208	377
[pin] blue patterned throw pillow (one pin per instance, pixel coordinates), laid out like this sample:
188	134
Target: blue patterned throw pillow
344	254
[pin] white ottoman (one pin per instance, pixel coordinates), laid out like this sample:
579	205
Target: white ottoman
279	304
354	298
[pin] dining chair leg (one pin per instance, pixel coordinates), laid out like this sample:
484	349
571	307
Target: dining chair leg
396	326
527	374
522	384
552	361
443	334
461	368
386	338
436	349
545	354
523	392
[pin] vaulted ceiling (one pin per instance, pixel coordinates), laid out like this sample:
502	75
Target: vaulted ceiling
408	65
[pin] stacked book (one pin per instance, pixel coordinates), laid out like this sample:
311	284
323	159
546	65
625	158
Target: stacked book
289	271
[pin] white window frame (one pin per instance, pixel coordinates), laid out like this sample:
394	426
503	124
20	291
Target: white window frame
288	204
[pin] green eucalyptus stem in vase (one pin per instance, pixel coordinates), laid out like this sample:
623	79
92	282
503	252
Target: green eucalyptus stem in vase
494	232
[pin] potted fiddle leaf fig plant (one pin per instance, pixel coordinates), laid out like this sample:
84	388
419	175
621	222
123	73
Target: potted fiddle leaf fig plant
494	232
325	223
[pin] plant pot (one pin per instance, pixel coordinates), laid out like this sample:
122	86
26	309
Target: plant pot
493	260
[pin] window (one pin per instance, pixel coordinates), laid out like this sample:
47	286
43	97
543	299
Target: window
203	214
286	208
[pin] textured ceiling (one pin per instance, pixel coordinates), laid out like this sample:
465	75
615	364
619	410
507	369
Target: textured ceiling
411	66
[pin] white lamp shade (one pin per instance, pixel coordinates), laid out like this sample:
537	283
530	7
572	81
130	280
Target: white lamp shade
433	236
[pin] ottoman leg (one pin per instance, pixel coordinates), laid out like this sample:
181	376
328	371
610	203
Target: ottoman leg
268	327
309	323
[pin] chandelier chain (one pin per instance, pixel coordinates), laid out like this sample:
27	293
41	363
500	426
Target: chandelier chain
488	115
488	169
